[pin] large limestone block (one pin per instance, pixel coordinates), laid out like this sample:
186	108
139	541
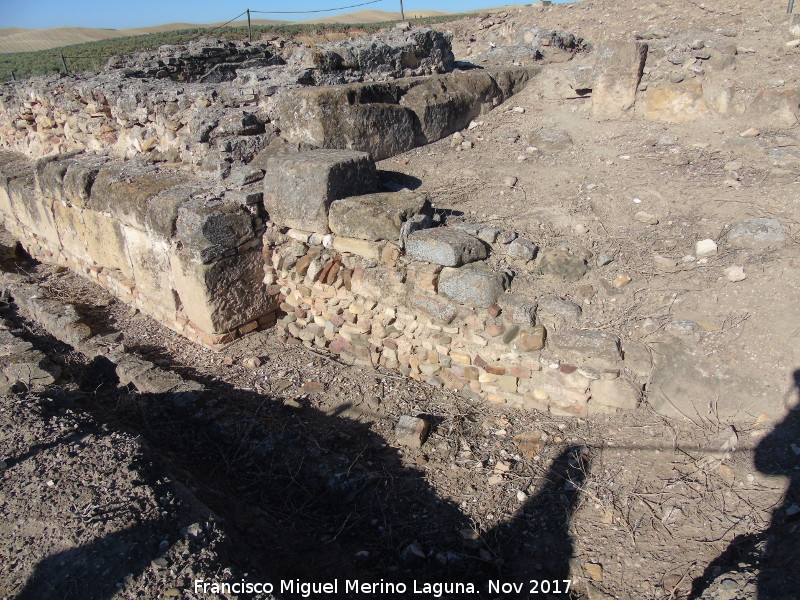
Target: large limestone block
79	178
124	192
364	117
104	241
211	228
150	265
619	69
445	246
376	216
448	103
676	103
299	188
588	347
472	285
71	228
774	109
223	295
31	210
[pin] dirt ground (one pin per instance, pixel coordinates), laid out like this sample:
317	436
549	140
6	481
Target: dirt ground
290	470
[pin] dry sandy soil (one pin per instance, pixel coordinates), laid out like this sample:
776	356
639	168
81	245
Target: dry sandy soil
291	469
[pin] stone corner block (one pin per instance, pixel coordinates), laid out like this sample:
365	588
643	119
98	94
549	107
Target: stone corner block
299	188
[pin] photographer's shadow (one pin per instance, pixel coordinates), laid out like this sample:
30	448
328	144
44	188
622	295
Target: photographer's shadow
773	555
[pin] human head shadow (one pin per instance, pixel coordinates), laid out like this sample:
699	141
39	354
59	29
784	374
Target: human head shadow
772	555
318	497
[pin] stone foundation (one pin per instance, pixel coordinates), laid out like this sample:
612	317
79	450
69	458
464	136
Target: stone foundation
154	238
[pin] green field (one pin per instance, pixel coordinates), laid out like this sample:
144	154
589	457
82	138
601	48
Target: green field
94	55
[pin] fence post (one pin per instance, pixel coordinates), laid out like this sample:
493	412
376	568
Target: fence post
13	75
249	28
403	13
64	62
790	9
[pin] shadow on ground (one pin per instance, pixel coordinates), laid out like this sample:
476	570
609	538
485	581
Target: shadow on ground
317	497
771	557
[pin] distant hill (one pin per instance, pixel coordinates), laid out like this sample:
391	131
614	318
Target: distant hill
16	39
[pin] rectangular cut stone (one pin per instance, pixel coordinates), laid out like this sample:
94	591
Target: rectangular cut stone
445	246
589	347
376	216
619	69
472	286
299	188
361	247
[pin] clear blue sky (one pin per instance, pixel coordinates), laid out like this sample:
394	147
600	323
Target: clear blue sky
113	14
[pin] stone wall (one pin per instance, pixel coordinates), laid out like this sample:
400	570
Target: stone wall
372	279
155	238
221	105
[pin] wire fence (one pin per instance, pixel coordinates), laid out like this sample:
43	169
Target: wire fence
247	12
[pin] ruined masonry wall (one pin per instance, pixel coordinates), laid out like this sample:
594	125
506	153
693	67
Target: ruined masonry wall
360	301
156	240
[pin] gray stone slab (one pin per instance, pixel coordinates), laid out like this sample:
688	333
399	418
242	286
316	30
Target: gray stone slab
756	233
299	188
445	246
587	347
376	216
472	285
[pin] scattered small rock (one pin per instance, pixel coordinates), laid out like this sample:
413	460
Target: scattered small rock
706	247
251	362
594	571
312	387
622	280
412	431
646	218
750	132
606	258
735	273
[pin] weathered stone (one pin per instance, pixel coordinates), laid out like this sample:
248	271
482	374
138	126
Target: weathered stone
774	108
704	248
375	216
676	103
530	341
445	246
299	188
412	431
522	249
557	313
619	69
584	346
364	248
756	233
435	307
208	228
472	285
378	283
517	309
448	103
562	263
364	117
550	139
224	295
618	393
